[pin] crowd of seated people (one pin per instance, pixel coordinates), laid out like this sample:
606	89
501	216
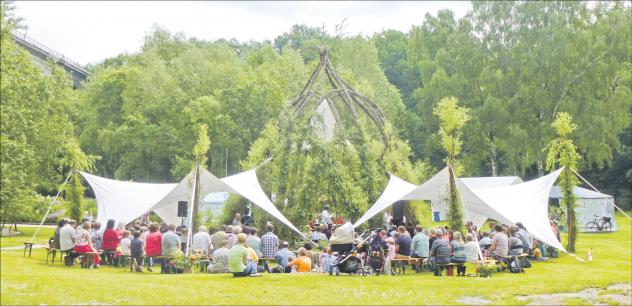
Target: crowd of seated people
239	249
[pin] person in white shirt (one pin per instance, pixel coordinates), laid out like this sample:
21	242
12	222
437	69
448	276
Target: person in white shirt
202	241
326	218
126	248
67	241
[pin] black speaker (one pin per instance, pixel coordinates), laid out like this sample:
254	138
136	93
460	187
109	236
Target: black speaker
398	212
182	208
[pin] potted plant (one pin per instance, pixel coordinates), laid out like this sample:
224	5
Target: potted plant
182	263
486	270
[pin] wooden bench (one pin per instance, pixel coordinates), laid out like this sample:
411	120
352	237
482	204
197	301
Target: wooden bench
87	259
398	265
28	245
52	252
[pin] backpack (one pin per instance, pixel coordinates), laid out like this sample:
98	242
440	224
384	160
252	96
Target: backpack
526	263
514	266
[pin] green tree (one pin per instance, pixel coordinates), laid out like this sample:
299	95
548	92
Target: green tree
562	152
453	119
77	160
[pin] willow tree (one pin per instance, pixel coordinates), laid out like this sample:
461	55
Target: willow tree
200	153
453	119
562	152
77	160
330	145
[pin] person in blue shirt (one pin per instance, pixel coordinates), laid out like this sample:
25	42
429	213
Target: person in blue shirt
420	246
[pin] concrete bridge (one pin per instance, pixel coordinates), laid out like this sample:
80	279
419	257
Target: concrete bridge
42	54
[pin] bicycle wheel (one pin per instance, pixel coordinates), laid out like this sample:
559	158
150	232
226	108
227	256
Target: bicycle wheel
607	227
591	227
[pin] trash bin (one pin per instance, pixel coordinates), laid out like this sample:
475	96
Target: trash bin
436	216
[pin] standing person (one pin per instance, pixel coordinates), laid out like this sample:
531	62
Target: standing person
111	241
390	255
153	245
458	253
67	241
255	242
136	248
248	217
170	246
500	244
202	241
218	238
239	264
60	225
269	242
237	219
326	218
83	242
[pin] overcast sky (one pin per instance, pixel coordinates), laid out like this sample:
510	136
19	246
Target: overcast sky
89	32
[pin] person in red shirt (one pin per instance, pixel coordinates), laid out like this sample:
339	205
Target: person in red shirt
111	240
153	245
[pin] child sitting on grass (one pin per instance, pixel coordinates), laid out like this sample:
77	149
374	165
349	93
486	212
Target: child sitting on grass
136	251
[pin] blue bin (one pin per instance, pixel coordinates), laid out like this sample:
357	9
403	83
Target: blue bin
436	216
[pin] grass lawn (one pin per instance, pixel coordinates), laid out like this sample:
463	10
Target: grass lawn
31	281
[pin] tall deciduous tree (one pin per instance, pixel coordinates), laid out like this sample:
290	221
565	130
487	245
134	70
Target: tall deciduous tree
562	152
453	119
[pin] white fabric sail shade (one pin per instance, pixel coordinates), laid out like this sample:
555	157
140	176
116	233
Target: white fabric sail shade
125	201
521	202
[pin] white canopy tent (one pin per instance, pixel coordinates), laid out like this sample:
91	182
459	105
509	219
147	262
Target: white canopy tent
125	201
589	204
523	202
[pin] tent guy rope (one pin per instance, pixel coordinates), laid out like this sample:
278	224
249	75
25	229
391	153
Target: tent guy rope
593	187
50	206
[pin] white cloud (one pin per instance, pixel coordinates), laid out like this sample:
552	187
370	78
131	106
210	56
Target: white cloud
92	31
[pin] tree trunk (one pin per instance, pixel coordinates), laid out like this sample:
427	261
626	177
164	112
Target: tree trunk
492	153
538	135
569	198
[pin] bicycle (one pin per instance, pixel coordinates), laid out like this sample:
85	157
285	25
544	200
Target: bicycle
599	224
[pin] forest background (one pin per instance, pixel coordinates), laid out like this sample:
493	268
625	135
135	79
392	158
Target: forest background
515	65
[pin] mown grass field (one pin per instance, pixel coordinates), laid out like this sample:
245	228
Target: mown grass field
31	281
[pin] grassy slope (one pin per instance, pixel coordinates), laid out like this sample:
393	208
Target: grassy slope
31	281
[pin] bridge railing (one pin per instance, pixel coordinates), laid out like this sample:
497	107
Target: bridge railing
24	39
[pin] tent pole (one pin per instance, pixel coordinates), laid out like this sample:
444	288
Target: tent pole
593	187
478	247
193	197
50	206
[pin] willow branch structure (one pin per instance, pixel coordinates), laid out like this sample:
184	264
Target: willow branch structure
340	98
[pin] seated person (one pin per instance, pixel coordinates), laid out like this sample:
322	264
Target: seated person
439	252
485	242
319	235
515	243
402	243
302	262
471	249
420	244
239	264
83	242
284	256
326	259
458	252
500	244
221	259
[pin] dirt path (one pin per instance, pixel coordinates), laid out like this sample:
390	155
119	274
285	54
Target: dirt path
618	293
